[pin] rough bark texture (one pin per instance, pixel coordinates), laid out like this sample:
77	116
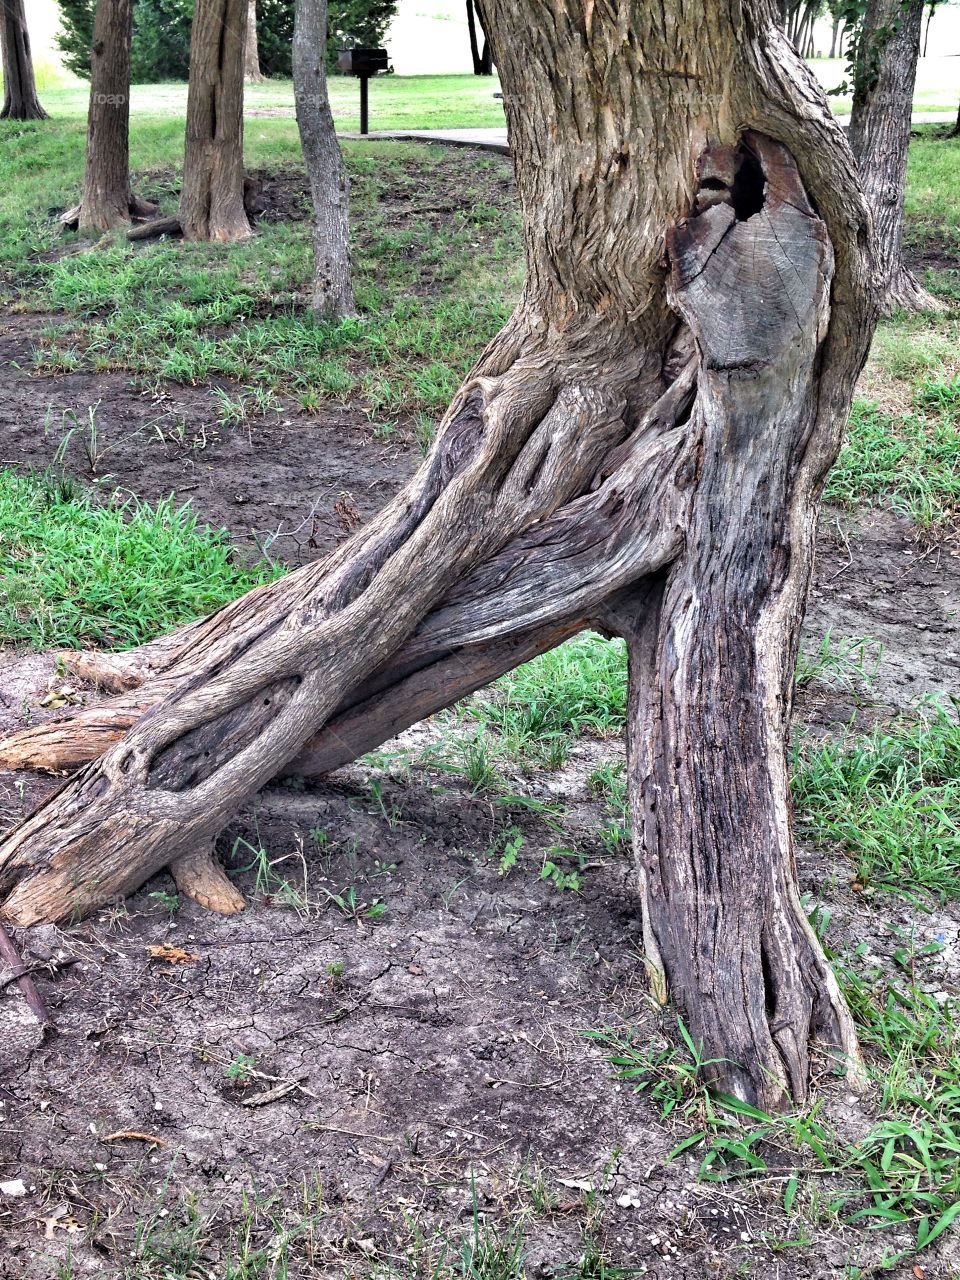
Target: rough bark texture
251	58
638	449
108	200
20	101
482	58
329	188
211	199
885	75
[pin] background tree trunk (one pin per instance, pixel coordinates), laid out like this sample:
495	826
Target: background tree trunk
108	200
20	101
884	79
482	58
251	59
211	199
635	448
329	186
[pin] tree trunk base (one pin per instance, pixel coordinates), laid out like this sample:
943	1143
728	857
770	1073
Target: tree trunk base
908	294
136	209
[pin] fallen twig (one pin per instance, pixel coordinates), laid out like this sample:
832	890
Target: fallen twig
275	1094
20	972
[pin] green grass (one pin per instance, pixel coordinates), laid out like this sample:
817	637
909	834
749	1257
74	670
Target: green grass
432	289
890	800
909	461
75	570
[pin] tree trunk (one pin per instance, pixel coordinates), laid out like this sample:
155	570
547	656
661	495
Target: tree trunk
329	187
20	101
108	200
211	199
640	449
884	79
251	58
931	10
482	58
486	53
955	131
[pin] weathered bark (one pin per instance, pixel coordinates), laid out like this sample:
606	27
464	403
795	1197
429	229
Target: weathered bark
251	58
211	198
482	58
20	101
108	200
634	452
884	79
329	187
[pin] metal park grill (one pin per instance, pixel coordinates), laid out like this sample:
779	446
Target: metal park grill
362	63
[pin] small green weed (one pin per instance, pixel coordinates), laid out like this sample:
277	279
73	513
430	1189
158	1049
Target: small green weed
240	1068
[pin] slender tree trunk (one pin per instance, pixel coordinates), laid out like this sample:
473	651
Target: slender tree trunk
885	76
486	53
108	200
20	101
329	187
482	58
931	10
251	61
642	448
834	36
211	199
955	131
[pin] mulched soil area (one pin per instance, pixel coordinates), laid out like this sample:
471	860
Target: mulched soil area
416	1069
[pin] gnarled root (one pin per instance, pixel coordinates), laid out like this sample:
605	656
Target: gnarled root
199	876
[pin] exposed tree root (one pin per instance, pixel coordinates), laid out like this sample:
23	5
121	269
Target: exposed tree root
136	210
198	875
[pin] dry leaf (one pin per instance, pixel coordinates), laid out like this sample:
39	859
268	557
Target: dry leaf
62	1218
171	954
61	697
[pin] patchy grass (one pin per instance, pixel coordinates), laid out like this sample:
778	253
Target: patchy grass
910	461
436	256
902	1174
75	570
890	800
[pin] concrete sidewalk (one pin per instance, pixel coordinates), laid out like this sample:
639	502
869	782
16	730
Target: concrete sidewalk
496	139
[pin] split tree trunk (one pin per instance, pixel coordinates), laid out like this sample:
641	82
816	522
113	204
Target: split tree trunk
108	200
251	58
20	101
482	59
329	187
211	199
884	80
638	450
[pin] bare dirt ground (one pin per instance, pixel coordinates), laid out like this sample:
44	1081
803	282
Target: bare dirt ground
369	1086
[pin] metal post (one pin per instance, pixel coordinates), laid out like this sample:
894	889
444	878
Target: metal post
364	81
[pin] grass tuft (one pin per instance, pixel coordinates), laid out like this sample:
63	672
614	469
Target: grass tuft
75	570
